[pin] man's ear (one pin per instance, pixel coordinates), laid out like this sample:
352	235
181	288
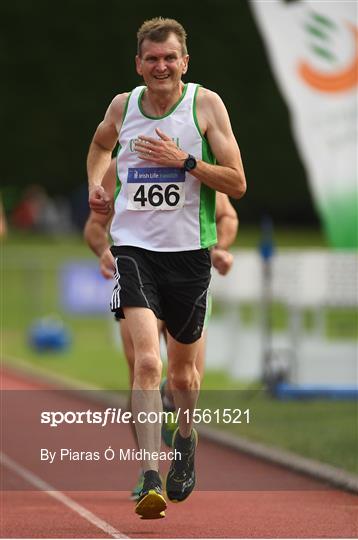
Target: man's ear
138	64
186	63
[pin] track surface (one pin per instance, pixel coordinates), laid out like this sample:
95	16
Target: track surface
294	506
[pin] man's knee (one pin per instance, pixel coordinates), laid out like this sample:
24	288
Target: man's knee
148	368
183	377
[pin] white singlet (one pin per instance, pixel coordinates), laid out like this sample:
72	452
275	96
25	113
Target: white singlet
162	208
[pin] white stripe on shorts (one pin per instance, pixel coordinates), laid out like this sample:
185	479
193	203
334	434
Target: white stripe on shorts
115	300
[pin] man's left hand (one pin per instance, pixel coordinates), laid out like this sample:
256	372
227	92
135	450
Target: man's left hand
222	260
163	151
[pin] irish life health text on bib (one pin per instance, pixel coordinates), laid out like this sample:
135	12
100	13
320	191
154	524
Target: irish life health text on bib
155	188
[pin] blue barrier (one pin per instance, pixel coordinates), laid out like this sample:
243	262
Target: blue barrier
289	391
83	290
49	334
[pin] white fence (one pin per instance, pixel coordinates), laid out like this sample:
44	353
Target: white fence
300	280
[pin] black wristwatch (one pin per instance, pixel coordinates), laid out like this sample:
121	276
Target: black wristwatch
189	163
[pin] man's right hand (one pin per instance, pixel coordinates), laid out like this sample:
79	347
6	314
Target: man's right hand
107	264
99	200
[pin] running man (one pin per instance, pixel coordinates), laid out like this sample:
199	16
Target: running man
96	236
164	222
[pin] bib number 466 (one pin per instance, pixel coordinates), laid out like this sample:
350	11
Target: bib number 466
157	195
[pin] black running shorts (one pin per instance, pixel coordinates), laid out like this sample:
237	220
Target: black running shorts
174	285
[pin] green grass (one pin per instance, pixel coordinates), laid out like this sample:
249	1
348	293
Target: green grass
338	323
248	237
323	430
300	237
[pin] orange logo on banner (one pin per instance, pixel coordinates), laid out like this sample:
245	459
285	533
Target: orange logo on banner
334	82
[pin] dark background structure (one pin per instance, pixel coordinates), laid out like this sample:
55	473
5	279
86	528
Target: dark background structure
63	62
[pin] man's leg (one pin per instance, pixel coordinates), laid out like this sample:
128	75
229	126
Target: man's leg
142	325
169	424
184	380
185	383
128	350
200	357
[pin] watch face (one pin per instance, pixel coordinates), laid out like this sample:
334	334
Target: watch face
190	164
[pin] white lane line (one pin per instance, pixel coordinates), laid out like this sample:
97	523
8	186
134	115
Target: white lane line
59	496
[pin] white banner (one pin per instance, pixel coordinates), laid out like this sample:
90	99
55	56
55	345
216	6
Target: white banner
313	49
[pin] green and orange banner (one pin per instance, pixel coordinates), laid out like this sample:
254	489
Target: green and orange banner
313	50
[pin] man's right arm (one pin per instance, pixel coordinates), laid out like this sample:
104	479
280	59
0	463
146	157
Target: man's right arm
96	232
96	236
100	153
96	228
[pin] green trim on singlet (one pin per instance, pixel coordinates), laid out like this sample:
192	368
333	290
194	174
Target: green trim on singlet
207	194
126	107
207	209
194	112
170	110
118	181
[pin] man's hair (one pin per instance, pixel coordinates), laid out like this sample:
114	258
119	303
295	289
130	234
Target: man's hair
158	30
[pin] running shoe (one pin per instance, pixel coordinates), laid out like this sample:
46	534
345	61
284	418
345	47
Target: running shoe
181	476
151	503
138	488
169	425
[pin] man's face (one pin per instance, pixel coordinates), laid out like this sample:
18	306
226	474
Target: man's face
162	64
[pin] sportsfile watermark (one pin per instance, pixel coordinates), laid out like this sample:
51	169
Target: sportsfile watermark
113	415
87	440
109	454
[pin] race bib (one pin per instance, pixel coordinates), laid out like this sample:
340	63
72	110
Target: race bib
155	188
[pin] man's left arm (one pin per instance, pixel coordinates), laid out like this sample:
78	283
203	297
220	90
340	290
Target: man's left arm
228	175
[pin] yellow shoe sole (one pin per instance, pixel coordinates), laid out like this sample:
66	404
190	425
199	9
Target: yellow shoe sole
152	506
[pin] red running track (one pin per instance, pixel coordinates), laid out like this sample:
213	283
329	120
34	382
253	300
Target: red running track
306	509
